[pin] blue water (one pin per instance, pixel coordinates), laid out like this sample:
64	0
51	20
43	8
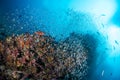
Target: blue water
98	18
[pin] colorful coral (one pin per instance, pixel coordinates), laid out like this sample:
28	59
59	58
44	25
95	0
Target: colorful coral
39	57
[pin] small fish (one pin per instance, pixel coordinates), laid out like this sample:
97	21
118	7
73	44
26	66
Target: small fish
114	47
103	15
20	16
102	72
111	74
116	42
107	37
103	25
98	33
106	48
62	35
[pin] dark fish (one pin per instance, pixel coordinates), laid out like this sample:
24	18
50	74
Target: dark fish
103	15
98	33
3	34
107	37
116	42
103	25
62	35
111	74
20	16
114	47
72	34
106	49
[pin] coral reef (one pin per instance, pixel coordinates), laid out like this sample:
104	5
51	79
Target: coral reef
39	57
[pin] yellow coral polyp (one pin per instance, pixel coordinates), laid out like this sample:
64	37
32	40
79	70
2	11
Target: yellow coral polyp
18	64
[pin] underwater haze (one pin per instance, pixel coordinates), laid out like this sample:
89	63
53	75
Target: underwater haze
59	18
